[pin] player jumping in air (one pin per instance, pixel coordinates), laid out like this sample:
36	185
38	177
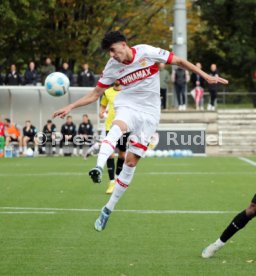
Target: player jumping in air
238	223
137	105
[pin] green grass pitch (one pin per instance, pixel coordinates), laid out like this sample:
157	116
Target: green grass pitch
47	228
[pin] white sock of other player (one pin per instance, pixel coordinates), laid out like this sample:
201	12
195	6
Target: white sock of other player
36	148
108	145
122	184
24	149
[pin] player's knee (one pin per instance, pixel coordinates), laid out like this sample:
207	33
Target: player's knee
132	160
251	210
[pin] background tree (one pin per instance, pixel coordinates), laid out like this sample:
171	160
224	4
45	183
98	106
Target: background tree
226	35
71	30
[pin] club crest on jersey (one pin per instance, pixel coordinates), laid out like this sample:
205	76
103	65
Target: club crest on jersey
143	62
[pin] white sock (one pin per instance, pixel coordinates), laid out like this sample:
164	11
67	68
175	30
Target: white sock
122	184
24	149
219	243
108	145
36	148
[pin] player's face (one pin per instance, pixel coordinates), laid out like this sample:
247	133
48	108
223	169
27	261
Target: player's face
118	51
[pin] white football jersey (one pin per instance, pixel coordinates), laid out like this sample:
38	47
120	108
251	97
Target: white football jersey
139	78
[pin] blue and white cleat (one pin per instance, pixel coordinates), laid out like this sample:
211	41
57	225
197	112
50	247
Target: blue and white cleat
102	220
96	174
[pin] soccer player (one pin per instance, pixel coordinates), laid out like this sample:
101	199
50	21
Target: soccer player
29	132
107	105
137	105
12	134
49	131
238	223
68	131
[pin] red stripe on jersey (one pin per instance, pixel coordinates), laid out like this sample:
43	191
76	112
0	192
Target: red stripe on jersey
139	75
102	85
169	60
121	183
107	142
133	57
138	145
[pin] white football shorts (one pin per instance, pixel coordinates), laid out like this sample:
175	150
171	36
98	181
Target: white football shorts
141	125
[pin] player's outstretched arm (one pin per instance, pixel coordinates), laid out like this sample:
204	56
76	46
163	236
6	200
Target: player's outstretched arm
191	67
87	99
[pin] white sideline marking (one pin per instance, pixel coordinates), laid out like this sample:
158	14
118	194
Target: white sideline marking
56	210
248	161
145	173
26	212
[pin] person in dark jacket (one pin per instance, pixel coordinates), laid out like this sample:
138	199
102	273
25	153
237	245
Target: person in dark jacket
13	77
29	133
198	85
68	131
213	88
196	79
85	130
31	75
49	131
65	70
47	69
86	77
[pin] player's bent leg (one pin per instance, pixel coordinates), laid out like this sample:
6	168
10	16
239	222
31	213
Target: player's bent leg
107	148
238	223
123	182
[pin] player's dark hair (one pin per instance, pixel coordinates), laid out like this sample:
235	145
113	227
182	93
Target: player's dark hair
8	120
111	38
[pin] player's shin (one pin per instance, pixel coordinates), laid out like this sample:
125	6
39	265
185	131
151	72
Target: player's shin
108	145
237	224
123	182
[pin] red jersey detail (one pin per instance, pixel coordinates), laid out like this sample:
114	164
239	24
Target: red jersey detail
102	85
133	57
139	75
107	142
138	145
169	60
1	129
121	183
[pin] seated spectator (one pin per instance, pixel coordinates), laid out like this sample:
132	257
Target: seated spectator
12	134
68	131
31	75
29	132
47	69
65	70
85	131
13	77
86	77
49	131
